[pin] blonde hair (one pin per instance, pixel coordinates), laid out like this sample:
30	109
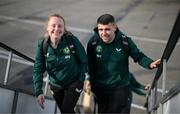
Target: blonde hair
47	21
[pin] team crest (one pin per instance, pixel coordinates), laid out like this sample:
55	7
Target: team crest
99	49
66	50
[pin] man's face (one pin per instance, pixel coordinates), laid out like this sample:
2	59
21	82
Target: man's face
107	32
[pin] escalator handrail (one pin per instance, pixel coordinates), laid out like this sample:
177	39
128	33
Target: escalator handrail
171	93
173	39
16	52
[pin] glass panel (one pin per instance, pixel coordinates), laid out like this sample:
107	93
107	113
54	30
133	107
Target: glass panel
6	100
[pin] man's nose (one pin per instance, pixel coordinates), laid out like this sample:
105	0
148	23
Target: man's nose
104	32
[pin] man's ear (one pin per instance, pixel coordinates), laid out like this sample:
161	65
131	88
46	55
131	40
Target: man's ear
115	26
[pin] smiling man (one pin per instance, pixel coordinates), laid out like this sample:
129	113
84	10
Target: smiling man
108	51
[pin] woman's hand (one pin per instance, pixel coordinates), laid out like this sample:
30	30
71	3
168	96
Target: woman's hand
41	100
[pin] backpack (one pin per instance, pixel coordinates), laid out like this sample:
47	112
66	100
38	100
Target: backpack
124	43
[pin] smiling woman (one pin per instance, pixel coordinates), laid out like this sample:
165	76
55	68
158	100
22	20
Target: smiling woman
55	29
66	68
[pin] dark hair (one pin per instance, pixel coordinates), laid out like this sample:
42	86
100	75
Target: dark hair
105	19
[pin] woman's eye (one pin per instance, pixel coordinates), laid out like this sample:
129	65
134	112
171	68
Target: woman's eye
59	26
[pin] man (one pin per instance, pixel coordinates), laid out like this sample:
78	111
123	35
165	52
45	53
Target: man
108	65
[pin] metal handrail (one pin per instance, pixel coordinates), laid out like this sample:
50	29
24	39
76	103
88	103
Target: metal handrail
172	92
13	51
173	39
16	52
169	47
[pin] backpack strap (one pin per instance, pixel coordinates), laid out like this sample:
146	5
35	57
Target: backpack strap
125	44
70	44
45	48
94	42
45	45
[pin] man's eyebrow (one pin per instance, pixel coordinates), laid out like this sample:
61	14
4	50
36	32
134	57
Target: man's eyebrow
107	29
104	29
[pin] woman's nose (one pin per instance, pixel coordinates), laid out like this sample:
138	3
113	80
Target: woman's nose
56	27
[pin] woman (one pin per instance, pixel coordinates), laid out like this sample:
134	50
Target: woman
66	69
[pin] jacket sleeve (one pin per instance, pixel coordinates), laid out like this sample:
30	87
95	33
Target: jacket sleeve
135	83
138	91
38	69
139	56
135	86
82	58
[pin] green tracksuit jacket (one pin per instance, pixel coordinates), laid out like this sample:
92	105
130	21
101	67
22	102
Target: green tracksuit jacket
109	63
63	67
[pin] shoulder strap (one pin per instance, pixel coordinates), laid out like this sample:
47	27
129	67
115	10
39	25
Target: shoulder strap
70	44
94	42
45	48
125	44
45	45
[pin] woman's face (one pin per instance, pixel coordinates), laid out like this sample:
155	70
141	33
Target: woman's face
55	28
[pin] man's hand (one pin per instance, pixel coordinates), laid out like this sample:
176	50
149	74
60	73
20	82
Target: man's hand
148	87
87	86
41	100
155	64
